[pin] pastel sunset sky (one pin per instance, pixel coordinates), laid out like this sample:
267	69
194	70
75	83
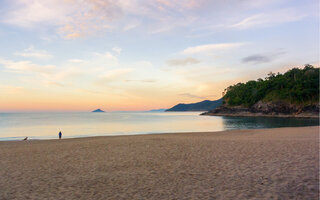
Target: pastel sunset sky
79	55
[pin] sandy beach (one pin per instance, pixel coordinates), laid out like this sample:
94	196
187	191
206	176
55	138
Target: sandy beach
281	163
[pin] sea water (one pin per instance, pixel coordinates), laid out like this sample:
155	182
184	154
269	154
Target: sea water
16	126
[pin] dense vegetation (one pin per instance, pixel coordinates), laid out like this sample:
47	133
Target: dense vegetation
299	86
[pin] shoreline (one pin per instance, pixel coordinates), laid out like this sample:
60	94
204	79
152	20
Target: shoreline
152	134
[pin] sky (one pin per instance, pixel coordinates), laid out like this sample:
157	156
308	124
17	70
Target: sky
130	55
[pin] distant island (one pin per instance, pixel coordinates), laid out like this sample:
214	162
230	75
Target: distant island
158	110
292	94
199	106
98	110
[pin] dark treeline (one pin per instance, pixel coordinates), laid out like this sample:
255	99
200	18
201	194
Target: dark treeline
299	86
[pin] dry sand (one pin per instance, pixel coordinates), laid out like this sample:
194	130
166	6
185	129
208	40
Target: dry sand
248	164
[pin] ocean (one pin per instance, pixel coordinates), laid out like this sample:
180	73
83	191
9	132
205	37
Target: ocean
16	126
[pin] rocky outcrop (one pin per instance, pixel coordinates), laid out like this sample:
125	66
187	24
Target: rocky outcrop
228	110
281	107
272	109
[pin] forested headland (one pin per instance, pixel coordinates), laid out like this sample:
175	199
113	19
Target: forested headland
296	92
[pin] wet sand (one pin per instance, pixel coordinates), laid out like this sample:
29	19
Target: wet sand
280	163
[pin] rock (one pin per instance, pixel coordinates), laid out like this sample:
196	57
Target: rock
276	108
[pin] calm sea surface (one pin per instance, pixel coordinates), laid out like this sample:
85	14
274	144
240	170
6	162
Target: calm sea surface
16	126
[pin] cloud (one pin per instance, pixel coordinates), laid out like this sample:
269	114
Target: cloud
131	25
115	75
210	47
49	83
71	18
49	75
183	62
29	13
10	89
27	67
77	61
117	50
182	4
70	32
68	73
110	56
74	19
89	91
256	59
259	58
270	18
105	58
142	81
34	53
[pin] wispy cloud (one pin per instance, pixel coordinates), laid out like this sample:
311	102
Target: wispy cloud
47	75
31	52
26	67
182	4
270	18
89	91
114	75
183	62
9	89
131	25
77	61
106	58
80	18
210	47
54	83
69	73
25	13
72	18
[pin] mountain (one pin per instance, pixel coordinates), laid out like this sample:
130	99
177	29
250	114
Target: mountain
158	110
200	106
292	94
98	110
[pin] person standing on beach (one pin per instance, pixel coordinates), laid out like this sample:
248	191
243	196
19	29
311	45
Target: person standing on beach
60	135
